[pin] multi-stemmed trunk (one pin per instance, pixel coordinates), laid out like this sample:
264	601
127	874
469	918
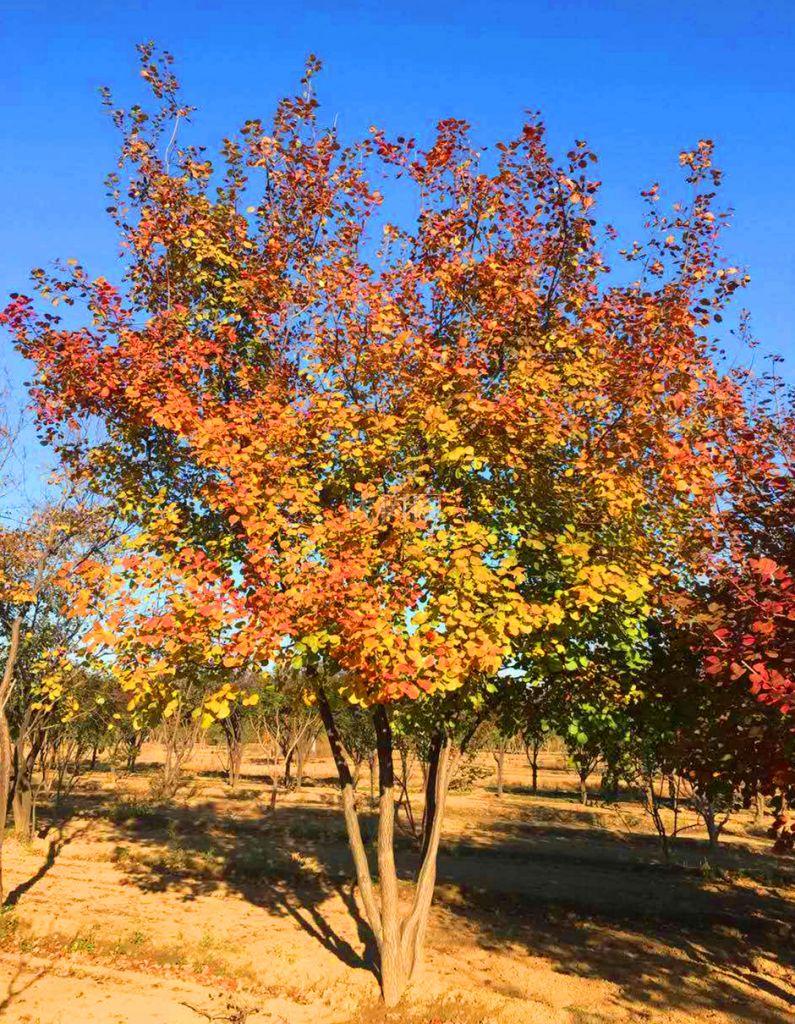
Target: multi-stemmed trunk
295	741
179	735
653	808
296	755
532	750
714	816
399	935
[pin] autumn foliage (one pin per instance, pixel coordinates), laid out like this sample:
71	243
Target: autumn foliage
410	450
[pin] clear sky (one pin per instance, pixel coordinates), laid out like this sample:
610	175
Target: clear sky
640	80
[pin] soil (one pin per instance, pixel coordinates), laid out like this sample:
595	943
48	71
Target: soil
214	908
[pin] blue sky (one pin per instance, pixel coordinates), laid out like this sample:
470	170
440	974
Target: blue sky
640	80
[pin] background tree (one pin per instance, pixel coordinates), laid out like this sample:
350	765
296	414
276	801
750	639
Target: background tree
535	725
286	721
37	554
743	626
357	733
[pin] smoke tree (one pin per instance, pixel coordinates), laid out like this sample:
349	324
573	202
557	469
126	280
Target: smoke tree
399	456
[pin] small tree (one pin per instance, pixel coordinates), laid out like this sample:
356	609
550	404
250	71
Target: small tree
357	733
584	757
126	740
232	727
286	724
36	556
535	727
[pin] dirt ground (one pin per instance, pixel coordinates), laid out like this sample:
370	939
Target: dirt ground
213	908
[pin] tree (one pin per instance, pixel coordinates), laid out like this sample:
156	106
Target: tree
159	621
356	731
286	720
682	737
402	459
36	556
743	627
232	728
535	726
74	714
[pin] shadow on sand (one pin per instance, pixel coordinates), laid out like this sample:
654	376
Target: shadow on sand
592	903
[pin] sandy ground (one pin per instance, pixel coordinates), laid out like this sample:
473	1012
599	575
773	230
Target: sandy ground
548	912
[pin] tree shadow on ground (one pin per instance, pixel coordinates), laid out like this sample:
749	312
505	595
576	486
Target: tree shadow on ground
583	831
594	906
17	985
196	851
656	960
54	848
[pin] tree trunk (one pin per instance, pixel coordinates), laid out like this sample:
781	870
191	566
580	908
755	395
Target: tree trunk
705	808
404	798
134	744
584	790
654	811
499	757
431	776
5	785
712	831
393	967
534	768
417	922
300	758
399	939
22	802
288	767
235	762
358	852
233	735
673	793
274	791
21	794
6	685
